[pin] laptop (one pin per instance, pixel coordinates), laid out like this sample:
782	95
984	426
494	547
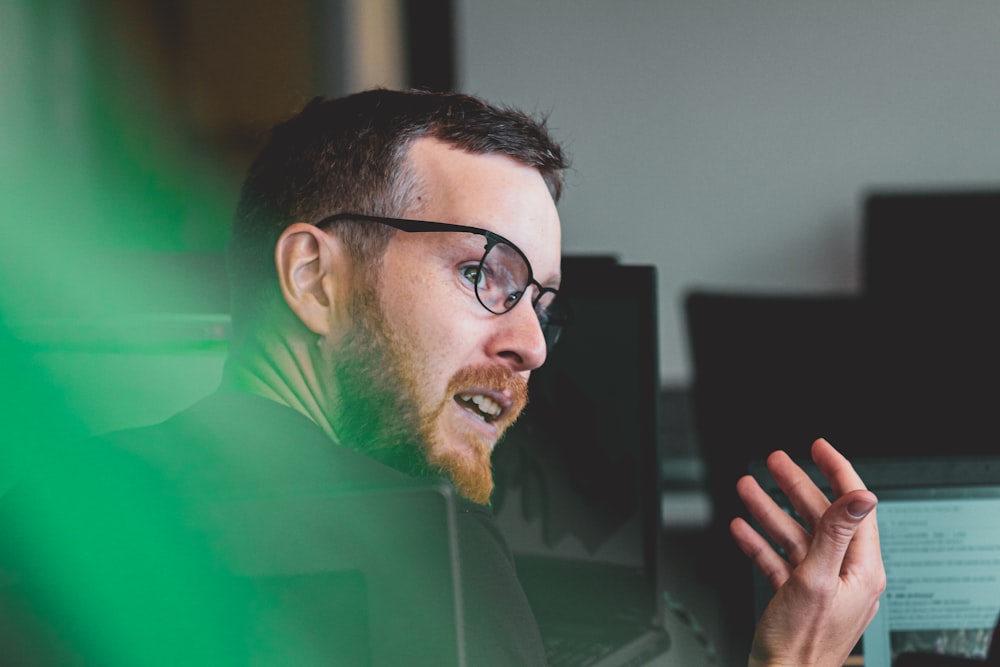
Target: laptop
578	488
323	586
941	550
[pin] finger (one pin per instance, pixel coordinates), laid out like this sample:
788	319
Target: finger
771	565
784	530
865	547
844	479
808	500
836	533
835	468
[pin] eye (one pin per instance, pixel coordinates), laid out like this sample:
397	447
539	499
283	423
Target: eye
473	274
511	300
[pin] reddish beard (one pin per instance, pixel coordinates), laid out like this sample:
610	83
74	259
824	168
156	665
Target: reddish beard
469	465
379	411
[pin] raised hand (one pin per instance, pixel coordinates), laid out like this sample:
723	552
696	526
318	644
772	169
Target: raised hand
829	574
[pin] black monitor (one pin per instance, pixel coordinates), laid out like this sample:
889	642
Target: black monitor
932	246
578	475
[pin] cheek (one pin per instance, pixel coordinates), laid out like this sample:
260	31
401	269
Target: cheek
441	327
433	324
445	344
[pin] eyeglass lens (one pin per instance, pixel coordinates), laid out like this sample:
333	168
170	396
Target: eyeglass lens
505	277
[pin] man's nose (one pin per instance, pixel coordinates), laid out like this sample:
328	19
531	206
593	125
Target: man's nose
519	340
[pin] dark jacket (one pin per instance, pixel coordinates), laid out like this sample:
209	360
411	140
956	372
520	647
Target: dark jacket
237	533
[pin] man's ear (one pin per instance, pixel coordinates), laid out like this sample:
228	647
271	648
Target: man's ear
313	270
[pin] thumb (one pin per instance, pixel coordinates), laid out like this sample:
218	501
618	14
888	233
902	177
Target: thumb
837	528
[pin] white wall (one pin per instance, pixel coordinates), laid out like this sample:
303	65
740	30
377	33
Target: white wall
729	142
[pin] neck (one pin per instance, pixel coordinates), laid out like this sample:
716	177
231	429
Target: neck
282	369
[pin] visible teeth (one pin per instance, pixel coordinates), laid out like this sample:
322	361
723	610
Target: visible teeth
485	404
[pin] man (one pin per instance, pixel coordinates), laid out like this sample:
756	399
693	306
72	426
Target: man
414	332
394	267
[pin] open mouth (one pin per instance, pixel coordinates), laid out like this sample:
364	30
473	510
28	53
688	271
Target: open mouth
483	407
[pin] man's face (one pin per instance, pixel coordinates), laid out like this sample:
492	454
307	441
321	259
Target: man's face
434	366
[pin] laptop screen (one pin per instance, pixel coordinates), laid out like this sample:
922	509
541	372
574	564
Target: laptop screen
941	550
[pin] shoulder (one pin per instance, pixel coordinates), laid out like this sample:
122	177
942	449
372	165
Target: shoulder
231	443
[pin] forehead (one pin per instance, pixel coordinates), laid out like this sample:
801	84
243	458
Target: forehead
494	192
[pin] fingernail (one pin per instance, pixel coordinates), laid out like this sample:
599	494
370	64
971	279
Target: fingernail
859	509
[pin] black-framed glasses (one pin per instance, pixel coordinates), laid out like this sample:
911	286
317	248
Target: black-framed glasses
502	277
